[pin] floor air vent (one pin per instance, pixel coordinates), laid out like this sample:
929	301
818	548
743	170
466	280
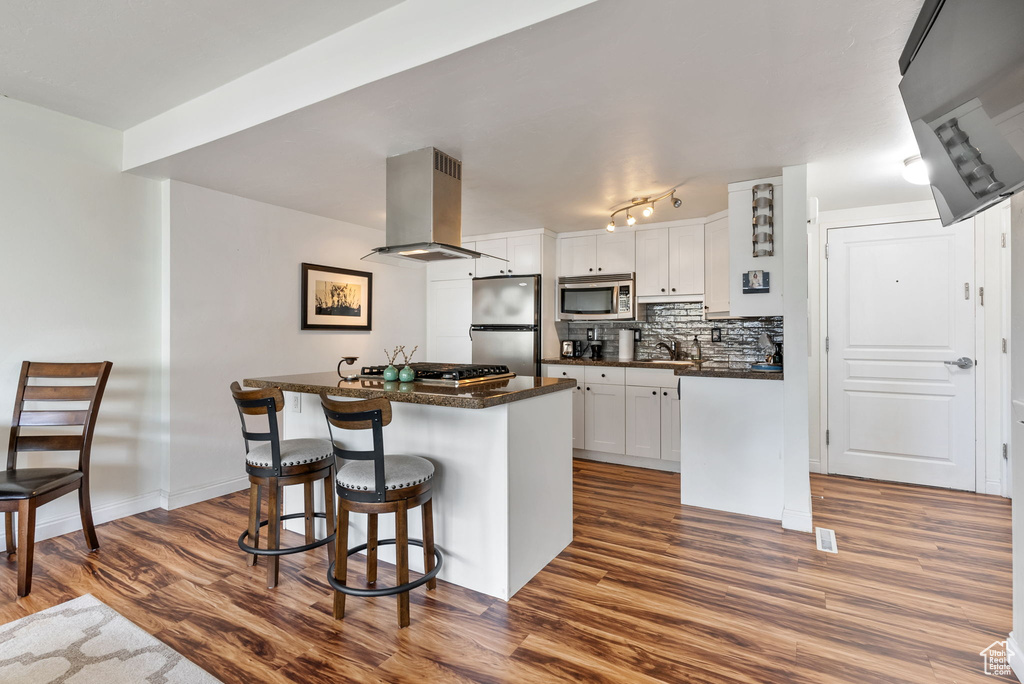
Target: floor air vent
826	540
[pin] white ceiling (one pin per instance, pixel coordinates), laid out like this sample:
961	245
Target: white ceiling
119	62
559	122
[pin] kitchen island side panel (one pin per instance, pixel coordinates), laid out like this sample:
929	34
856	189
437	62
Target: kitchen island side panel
469	450
539	484
731	445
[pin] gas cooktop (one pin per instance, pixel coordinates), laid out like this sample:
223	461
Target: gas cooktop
449	373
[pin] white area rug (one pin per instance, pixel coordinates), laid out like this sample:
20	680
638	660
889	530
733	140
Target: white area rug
86	642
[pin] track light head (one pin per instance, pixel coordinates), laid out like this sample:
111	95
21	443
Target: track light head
630	219
648	210
611	226
676	202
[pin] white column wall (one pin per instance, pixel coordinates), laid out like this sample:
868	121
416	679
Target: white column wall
796	513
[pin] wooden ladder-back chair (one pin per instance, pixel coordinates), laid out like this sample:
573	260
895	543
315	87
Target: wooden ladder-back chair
23	490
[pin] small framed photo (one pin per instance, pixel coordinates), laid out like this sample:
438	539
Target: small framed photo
755	282
336	298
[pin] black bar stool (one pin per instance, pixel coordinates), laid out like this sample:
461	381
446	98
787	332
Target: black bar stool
275	464
373	483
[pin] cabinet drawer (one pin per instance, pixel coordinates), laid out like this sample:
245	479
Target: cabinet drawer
652	377
575	372
605	375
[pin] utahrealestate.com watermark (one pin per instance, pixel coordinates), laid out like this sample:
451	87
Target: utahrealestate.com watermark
997	659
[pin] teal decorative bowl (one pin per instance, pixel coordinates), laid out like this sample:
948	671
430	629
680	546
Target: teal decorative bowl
390	374
407	374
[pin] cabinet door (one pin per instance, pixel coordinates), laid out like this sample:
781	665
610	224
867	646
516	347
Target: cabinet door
670	422
652	262
577	256
686	260
643	421
605	419
616	252
491	267
716	266
524	257
453	269
579	424
449	310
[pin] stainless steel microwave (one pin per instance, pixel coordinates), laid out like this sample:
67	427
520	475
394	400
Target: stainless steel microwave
597	298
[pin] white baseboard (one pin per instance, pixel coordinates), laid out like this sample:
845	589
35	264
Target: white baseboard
799	521
1016	657
202	493
620	459
45	529
814	466
994	487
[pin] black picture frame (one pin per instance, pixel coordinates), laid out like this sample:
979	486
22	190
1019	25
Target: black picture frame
347	307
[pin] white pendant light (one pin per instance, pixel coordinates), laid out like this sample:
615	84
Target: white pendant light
915	171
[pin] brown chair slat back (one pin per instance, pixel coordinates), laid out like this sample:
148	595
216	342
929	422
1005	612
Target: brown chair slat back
357	407
245	394
51	418
31	418
59	392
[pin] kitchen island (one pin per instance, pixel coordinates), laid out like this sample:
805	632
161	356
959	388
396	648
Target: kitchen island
502	452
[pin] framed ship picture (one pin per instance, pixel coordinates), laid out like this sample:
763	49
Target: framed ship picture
336	298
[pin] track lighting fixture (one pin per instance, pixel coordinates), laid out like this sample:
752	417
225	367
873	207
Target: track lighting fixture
648	207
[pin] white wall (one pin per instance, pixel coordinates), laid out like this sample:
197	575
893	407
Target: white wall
1017	431
234	313
79	281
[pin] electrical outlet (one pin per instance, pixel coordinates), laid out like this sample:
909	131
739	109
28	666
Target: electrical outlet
591	335
716	334
636	334
295	402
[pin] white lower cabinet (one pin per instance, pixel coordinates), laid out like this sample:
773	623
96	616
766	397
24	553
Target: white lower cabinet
605	419
643	422
628	411
670	424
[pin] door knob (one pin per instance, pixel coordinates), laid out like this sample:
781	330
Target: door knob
963	363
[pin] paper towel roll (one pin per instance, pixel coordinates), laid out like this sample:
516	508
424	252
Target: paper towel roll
625	345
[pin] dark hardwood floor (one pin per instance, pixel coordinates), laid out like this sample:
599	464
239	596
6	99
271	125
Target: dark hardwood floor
649	591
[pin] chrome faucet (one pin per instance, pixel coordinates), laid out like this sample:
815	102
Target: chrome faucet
673	352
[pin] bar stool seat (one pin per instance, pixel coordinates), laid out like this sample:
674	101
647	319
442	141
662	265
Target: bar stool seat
374	483
400	471
293	452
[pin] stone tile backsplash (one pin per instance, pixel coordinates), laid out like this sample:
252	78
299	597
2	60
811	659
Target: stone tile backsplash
669	322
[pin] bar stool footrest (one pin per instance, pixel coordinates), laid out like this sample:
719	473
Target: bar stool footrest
387	591
245	546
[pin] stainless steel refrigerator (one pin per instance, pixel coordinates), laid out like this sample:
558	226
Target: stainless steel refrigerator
506	322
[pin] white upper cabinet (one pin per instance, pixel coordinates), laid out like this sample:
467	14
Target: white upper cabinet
652	263
670	263
524	255
597	254
491	267
616	252
577	256
716	267
453	269
686	260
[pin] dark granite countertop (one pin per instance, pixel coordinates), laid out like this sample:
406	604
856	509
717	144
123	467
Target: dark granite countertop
709	369
475	396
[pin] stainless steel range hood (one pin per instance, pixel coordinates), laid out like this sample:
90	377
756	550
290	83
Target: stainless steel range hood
424	205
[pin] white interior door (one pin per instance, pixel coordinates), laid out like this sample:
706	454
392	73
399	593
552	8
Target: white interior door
900	313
